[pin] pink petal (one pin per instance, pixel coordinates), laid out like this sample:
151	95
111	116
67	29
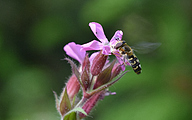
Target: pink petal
93	45
106	50
98	31
117	36
75	51
109	93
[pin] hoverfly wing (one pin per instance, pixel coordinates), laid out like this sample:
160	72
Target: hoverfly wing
145	47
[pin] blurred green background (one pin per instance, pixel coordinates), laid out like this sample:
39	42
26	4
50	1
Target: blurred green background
32	36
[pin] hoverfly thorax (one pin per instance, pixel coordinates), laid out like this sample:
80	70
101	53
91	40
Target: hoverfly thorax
127	53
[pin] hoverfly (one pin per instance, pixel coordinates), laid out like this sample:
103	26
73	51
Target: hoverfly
127	53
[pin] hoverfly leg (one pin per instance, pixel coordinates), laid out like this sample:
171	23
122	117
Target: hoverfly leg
124	60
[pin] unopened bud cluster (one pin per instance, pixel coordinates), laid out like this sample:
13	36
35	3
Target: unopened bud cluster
94	79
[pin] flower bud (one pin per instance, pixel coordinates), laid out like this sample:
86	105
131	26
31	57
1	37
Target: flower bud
86	63
85	79
117	68
90	103
73	87
105	76
98	63
63	105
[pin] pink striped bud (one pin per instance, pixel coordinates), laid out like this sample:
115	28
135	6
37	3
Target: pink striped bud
73	87
98	63
117	68
91	102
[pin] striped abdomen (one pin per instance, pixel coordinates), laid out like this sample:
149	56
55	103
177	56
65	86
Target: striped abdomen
135	64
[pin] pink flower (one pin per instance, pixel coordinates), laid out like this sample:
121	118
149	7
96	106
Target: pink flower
104	44
94	75
78	52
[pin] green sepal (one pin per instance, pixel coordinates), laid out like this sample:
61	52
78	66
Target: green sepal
73	102
56	100
74	70
65	104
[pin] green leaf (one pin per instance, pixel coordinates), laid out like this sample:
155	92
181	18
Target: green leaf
77	109
71	116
